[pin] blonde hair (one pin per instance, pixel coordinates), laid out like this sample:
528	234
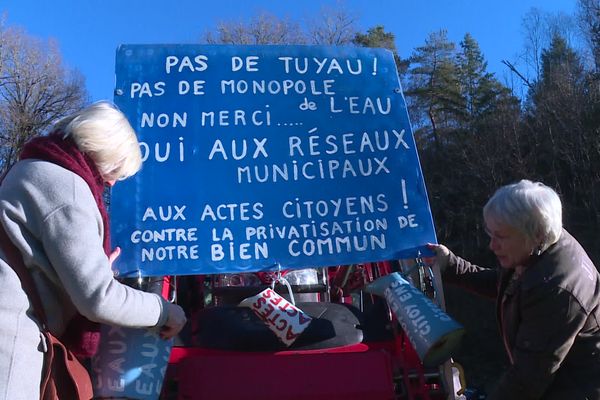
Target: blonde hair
103	133
531	207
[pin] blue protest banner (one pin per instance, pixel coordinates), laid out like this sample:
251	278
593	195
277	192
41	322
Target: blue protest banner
259	156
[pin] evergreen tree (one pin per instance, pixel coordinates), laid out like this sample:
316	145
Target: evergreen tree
565	150
486	118
378	37
434	89
479	88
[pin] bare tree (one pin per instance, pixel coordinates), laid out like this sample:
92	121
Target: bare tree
565	26
535	30
35	90
539	28
261	29
334	26
589	20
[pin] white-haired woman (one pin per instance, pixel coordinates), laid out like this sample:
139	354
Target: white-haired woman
52	210
547	296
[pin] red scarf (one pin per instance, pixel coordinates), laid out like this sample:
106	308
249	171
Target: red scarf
53	148
82	336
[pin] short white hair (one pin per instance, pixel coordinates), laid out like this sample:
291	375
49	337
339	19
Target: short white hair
530	207
103	133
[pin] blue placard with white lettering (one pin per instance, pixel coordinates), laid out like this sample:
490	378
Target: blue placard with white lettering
263	156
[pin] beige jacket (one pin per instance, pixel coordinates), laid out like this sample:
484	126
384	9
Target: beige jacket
52	218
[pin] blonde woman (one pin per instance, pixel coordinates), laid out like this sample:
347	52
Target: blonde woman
52	210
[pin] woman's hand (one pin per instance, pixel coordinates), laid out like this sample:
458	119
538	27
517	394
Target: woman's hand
442	255
175	321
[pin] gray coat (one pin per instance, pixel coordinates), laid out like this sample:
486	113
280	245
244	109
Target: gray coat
51	216
549	320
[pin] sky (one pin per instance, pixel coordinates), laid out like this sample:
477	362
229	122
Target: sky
88	32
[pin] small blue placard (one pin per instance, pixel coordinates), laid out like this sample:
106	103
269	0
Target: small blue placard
257	157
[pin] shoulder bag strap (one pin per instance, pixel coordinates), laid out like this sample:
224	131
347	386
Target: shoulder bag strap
15	260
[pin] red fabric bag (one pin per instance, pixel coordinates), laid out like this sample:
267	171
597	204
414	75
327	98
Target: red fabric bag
64	376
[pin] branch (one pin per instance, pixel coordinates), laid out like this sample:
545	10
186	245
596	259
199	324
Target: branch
514	69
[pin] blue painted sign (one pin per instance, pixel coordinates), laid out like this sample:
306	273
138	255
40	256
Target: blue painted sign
259	156
130	364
